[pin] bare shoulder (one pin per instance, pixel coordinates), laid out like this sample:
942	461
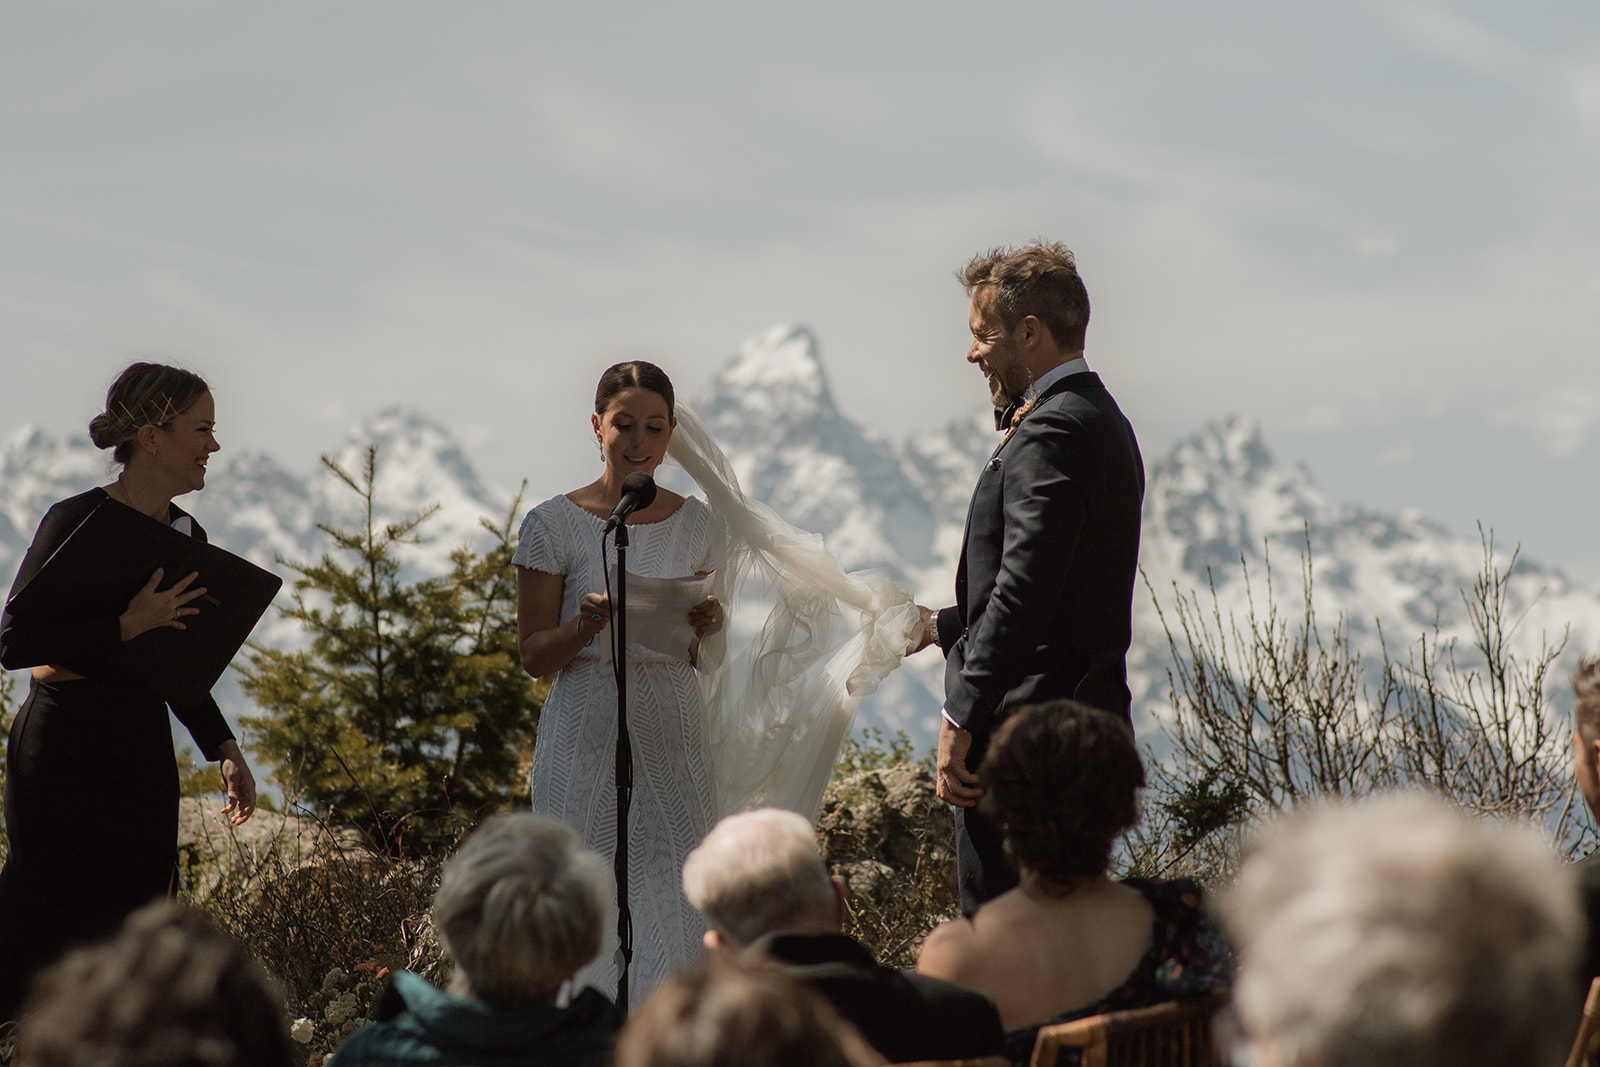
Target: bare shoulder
948	950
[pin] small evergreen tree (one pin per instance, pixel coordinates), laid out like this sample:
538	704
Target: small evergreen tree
409	716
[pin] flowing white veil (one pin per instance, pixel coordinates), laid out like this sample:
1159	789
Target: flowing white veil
777	714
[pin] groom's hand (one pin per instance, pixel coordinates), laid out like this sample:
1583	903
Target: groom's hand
954	783
925	638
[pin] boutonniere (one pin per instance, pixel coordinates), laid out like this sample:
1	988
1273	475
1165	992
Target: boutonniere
1018	415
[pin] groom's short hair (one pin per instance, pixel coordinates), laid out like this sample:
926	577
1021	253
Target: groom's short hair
1041	280
757	873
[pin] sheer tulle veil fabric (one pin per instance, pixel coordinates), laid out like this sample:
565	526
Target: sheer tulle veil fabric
779	710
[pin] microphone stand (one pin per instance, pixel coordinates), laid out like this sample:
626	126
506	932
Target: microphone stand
624	769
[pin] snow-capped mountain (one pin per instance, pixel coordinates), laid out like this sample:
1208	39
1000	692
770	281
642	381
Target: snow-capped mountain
1215	505
1211	501
772	410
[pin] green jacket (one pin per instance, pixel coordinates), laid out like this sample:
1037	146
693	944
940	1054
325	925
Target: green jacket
416	1023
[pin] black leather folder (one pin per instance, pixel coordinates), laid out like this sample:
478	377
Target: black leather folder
109	558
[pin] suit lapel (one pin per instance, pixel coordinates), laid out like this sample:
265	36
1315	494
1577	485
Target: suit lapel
1071	381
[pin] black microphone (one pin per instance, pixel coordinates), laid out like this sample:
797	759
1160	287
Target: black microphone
638	491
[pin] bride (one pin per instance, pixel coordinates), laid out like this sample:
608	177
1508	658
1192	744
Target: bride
708	737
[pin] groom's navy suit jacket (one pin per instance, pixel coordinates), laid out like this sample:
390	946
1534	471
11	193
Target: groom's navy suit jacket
1044	591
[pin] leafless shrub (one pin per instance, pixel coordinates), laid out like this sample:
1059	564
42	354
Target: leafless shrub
1269	711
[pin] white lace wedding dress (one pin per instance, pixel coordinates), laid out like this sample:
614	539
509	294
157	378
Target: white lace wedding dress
674	795
758	725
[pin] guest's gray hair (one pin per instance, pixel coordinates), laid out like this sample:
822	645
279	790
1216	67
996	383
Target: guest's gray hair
757	873
520	908
1398	931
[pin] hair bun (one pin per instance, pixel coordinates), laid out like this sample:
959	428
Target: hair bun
144	394
103	430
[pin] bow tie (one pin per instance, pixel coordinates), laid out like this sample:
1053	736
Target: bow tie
1002	416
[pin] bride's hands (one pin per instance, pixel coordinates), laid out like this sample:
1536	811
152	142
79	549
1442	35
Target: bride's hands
706	617
594	615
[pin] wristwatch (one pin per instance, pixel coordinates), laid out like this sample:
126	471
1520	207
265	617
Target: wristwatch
933	628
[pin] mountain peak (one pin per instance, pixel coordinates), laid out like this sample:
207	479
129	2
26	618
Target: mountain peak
397	424
775	373
417	457
1232	447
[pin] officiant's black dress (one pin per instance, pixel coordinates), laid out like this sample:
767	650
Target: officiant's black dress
91	795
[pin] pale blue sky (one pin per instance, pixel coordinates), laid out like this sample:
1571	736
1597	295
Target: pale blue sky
1372	225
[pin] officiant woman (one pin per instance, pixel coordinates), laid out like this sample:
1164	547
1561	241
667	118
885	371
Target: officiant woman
91	793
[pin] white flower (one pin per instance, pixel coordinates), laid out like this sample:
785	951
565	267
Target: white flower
302	1030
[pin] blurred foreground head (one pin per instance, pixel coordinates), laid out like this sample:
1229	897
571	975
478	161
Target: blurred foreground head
169	990
1400	932
726	1014
519	908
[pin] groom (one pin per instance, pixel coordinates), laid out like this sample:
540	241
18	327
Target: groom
1044	591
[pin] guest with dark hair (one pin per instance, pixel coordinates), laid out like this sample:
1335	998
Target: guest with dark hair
519	909
170	990
91	796
1062	779
726	1014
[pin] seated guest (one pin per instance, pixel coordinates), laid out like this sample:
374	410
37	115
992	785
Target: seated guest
1063	780
169	989
1398	932
1586	770
519	909
723	1014
761	884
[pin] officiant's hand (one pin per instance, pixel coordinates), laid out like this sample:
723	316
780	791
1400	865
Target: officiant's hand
706	617
150	610
239	782
594	615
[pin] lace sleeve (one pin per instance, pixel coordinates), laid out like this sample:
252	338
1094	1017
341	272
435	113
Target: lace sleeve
540	546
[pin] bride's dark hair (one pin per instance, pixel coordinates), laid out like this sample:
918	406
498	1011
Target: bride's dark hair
634	374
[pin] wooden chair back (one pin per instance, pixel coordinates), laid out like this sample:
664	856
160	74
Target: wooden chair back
1588	1028
1174	1034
